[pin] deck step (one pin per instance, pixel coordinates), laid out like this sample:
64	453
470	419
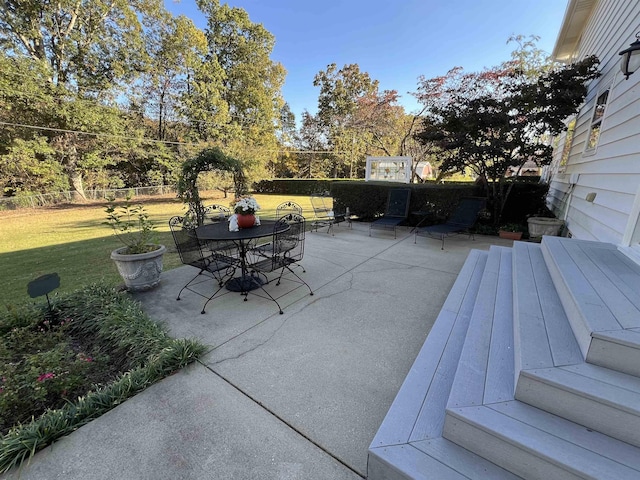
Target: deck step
485	372
543	337
598	398
532	368
618	350
534	444
417	413
431	459
598	286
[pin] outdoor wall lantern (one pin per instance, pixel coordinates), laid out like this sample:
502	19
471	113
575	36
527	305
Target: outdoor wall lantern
630	61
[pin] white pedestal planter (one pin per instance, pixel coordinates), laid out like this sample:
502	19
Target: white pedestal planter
140	271
539	226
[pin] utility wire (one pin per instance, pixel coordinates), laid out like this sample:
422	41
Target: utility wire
151	140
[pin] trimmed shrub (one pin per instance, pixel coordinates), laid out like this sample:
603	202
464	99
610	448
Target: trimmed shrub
297	186
368	200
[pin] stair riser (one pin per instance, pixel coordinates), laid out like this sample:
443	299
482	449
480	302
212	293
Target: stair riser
589	412
622	358
510	456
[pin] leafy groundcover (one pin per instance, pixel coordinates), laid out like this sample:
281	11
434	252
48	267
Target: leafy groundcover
63	367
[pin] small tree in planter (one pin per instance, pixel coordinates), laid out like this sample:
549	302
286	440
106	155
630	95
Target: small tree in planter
139	261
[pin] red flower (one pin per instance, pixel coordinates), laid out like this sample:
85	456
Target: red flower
46	376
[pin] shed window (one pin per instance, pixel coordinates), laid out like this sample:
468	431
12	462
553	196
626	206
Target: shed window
596	121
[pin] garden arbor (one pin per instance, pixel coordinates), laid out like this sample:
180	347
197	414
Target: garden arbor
210	159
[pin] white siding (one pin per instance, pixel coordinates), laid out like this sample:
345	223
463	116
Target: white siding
612	170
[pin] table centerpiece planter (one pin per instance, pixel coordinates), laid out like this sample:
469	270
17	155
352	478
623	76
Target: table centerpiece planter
245	209
246	220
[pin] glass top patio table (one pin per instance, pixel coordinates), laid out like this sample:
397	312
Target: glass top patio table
219	231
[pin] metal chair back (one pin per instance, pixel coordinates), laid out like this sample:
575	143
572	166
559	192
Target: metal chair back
398	203
466	213
187	243
216	213
290	243
288	207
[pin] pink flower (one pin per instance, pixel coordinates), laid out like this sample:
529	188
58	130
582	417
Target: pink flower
46	376
86	358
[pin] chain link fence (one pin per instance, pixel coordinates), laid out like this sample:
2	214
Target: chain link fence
47	199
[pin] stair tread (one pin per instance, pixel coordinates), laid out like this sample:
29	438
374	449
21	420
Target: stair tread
485	369
417	412
598	278
462	460
570	447
434	458
543	335
499	384
407	462
430	418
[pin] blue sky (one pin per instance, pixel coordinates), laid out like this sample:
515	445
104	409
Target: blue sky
395	41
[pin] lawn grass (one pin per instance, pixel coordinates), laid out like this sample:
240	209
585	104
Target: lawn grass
73	241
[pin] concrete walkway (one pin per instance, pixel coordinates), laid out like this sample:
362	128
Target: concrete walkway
292	396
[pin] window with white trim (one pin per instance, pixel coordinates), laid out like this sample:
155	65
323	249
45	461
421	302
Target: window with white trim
596	120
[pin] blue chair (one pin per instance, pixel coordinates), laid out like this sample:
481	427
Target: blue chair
463	218
396	212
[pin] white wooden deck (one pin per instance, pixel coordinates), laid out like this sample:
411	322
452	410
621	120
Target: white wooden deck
501	388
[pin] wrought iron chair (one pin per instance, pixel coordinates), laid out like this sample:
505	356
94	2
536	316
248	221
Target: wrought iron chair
287	251
216	213
463	218
265	247
324	214
218	265
397	211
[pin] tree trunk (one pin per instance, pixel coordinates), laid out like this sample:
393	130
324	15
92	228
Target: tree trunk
77	187
67	152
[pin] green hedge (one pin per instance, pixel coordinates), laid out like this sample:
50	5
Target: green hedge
368	200
290	186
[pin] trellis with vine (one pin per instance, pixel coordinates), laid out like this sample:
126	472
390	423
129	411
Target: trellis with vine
209	159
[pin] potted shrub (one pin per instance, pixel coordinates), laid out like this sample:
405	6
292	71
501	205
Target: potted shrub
539	226
139	261
511	231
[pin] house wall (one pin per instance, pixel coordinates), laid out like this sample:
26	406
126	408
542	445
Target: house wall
612	170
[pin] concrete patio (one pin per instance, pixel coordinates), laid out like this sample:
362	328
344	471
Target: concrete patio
292	396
